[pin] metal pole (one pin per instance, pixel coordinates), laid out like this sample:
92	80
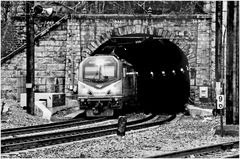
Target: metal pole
229	63
221	121
236	64
30	57
218	55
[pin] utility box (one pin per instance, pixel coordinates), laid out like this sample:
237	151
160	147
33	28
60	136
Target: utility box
52	99
203	94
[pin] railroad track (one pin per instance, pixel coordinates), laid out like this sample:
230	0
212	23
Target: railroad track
47	127
36	141
206	151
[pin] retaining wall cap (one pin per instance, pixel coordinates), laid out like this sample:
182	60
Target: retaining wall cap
46	113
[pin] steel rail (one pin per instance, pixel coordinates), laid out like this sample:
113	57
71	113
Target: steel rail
102	131
47	127
232	156
198	150
26	139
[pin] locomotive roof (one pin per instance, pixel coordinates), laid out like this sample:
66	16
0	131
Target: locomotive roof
114	55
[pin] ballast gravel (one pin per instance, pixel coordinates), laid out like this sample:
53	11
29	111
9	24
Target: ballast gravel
182	133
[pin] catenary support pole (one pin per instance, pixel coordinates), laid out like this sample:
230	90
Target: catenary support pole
30	57
232	55
218	55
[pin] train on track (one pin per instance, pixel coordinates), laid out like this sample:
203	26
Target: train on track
106	84
150	77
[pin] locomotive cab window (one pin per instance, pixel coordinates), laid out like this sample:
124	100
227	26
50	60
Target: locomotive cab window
100	70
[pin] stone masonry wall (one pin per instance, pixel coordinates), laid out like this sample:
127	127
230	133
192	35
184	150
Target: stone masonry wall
50	57
50	61
58	54
194	35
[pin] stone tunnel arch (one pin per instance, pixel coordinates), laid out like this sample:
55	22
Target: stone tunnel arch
172	60
181	42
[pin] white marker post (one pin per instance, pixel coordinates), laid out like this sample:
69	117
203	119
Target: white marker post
220	105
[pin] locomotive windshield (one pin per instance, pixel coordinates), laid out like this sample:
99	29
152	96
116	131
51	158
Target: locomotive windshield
100	69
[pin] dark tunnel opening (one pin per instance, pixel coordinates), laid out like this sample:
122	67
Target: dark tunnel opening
163	79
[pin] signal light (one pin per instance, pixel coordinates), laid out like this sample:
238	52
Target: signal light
39	9
149	11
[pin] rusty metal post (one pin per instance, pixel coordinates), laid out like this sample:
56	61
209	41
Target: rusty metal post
122	121
30	57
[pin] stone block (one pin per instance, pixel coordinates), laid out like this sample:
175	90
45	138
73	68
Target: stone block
45	60
50	48
40	81
39	49
58	73
55	67
41	73
42	111
41	88
40	66
9	81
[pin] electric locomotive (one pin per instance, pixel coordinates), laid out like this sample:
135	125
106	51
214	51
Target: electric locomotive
106	84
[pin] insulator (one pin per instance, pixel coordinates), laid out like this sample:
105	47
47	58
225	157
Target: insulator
149	11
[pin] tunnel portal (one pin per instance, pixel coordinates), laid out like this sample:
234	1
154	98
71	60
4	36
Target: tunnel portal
163	79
